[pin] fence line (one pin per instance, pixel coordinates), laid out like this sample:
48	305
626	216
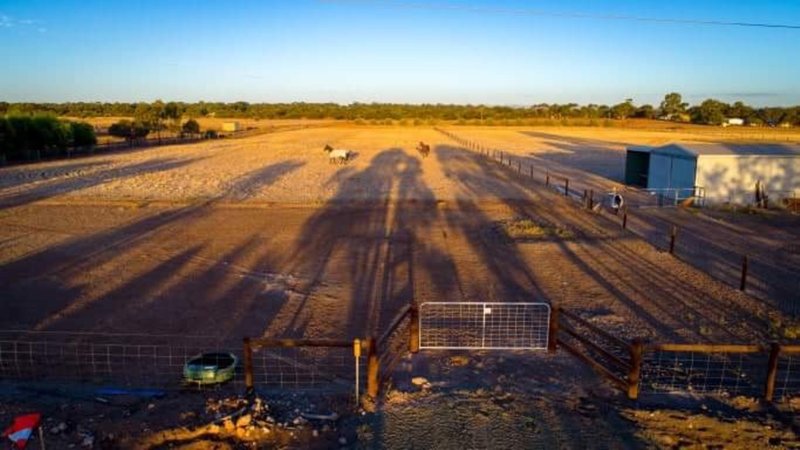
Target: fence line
768	370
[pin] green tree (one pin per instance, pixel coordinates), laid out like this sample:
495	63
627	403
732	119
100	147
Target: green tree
82	134
623	110
673	106
710	112
191	127
645	112
129	130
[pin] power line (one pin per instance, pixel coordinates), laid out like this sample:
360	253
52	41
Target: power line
563	15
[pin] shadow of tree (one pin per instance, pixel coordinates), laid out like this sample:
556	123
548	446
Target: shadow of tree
45	290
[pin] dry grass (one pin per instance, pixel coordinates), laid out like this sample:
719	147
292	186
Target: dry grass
527	229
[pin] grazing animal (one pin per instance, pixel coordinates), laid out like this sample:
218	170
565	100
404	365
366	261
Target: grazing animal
423	149
337	155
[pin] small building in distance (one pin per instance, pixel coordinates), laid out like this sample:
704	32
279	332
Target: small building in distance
723	173
733	122
231	126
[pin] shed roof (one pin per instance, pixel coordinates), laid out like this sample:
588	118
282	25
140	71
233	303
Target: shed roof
692	149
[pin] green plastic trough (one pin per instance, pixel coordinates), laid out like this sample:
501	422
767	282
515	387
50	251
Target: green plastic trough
210	368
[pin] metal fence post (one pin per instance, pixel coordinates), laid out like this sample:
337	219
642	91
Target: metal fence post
413	330
743	280
637	354
357	355
372	368
772	371
552	337
248	366
673	233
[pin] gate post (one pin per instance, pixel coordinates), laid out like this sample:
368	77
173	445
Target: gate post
372	368
552	337
413	330
248	366
772	371
637	353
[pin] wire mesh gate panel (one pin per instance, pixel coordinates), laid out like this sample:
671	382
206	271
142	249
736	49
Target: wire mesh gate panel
483	326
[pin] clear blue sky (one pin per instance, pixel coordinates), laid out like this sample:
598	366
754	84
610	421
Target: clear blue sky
305	50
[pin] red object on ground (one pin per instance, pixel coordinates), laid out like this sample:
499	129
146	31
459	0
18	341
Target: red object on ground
21	429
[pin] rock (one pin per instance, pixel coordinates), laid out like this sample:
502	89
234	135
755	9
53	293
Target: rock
342	440
228	425
244	421
419	381
459	361
87	441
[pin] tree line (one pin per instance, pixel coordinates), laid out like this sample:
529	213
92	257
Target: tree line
159	114
31	137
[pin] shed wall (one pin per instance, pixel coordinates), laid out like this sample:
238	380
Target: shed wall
733	178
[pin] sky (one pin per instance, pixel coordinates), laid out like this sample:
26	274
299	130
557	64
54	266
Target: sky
501	52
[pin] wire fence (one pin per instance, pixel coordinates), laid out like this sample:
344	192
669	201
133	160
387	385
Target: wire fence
307	368
158	361
100	358
703	373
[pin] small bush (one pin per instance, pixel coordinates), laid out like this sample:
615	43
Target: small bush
528	229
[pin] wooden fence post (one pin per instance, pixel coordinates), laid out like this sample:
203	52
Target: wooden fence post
591	198
625	219
672	236
372	368
743	280
552	337
248	366
413	330
566	187
637	354
772	371
519	167
531	171
547	180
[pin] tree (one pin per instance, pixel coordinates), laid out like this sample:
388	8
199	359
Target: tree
771	116
173	113
623	110
710	112
191	127
129	130
673	106
645	112
82	134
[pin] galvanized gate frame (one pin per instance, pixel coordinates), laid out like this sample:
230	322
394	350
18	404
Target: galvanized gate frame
533	335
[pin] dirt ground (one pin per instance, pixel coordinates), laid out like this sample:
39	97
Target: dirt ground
262	236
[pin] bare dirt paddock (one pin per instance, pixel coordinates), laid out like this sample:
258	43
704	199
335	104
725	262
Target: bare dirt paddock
264	237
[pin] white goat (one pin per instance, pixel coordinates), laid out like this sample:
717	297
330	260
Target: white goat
338	155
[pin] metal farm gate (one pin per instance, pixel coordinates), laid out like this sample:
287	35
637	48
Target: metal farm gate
484	326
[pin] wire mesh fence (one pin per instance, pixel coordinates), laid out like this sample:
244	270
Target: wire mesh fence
307	368
99	358
704	373
787	381
139	360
